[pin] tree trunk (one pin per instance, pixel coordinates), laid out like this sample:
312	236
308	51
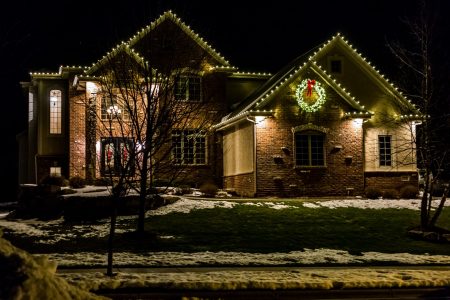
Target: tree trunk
112	229
438	211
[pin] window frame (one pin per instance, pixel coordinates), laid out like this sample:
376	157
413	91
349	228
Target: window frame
117	157
382	151
55	112
200	142
309	134
178	93
117	102
331	60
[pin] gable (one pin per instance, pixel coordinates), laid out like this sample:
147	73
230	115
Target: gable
373	89
167	43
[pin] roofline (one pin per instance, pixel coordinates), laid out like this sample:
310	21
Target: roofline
225	124
371	70
170	15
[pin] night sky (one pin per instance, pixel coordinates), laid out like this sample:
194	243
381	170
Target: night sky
252	35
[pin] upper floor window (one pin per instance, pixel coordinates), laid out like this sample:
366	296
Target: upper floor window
114	107
189	147
385	150
55	112
30	107
188	88
335	64
309	149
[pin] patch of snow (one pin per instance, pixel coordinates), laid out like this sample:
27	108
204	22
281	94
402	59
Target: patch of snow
33	277
413	204
306	257
185	206
265	280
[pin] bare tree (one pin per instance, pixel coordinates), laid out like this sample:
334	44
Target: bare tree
419	59
151	115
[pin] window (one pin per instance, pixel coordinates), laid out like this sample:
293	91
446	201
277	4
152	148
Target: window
336	66
309	149
188	88
115	156
113	107
30	107
55	112
189	147
384	145
55	171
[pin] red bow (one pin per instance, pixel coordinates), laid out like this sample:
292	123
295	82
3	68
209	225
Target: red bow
311	84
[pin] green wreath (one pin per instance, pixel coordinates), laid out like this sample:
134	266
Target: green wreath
310	85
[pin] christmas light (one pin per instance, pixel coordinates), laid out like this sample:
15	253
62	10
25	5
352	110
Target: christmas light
309	85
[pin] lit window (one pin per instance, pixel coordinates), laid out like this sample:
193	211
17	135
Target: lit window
385	147
309	149
113	107
55	112
115	156
30	107
189	147
55	171
188	88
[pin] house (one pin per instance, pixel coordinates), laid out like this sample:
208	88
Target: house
326	124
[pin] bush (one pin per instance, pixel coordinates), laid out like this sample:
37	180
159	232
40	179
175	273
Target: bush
102	181
209	189
185	189
390	194
161	182
77	182
53	180
373	193
409	192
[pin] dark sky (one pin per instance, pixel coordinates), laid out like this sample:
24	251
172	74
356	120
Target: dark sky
252	35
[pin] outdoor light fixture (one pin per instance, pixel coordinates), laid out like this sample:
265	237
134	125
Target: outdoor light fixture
114	110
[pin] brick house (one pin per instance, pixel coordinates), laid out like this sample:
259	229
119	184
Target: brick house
326	124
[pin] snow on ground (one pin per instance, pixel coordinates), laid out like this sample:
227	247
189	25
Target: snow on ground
266	280
31	277
185	205
306	257
45	233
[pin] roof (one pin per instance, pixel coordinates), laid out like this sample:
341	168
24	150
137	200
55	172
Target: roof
289	73
168	15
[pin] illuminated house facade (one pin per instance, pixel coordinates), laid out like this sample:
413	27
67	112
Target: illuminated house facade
326	124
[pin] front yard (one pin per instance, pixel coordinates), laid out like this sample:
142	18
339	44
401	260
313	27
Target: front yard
214	232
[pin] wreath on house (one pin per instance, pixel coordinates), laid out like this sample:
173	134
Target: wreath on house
310	95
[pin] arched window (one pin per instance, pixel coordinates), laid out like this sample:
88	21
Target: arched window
309	148
55	112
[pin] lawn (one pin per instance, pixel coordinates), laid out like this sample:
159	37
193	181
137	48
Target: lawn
244	227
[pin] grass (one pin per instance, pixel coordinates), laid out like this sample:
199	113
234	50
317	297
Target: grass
258	229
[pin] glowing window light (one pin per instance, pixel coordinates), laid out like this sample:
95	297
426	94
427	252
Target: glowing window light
55	112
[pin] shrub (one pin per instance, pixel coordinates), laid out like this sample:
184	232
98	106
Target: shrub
102	181
209	189
390	194
185	189
161	182
77	182
409	192
373	193
53	180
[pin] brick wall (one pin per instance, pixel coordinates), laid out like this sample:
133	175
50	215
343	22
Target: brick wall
242	184
276	170
77	139
391	180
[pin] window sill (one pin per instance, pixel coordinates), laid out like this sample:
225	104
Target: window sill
310	167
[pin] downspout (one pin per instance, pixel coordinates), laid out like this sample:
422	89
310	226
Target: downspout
254	154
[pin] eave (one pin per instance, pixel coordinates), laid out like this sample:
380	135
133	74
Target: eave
227	123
